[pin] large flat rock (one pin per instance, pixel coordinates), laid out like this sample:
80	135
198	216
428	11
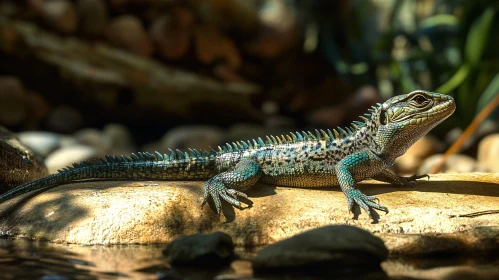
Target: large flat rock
424	218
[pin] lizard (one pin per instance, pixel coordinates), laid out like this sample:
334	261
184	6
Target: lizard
341	157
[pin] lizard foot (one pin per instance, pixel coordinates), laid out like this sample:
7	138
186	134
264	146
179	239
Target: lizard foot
217	190
364	201
412	180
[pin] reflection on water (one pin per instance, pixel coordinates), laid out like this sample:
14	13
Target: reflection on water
28	259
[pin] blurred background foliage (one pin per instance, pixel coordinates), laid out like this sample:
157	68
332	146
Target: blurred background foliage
444	46
286	58
193	73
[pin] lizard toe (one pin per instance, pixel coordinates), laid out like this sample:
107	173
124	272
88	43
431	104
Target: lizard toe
230	200
234	193
364	201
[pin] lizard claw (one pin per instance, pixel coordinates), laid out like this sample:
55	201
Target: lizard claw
218	191
364	201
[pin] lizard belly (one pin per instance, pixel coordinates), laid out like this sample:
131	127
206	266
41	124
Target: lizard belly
312	180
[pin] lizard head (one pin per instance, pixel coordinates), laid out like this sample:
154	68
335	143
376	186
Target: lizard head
404	119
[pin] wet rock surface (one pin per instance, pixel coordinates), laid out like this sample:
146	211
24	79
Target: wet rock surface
343	247
200	249
18	164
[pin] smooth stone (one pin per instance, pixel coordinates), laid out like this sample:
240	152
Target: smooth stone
200	249
488	153
127	32
42	143
194	136
456	163
94	138
60	15
340	246
18	164
114	212
120	137
66	156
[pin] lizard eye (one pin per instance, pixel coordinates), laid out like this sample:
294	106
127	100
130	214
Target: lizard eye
419	99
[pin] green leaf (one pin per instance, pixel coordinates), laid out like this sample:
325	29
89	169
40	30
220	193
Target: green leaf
438	20
477	37
456	80
488	94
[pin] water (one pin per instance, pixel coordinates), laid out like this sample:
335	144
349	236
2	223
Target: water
30	259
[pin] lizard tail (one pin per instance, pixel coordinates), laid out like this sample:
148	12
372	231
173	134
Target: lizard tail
143	166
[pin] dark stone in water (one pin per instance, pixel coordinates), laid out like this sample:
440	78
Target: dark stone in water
200	249
330	249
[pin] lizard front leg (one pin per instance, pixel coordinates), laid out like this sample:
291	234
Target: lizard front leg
230	184
388	176
360	163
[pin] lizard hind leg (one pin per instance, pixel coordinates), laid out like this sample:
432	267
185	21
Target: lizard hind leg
230	184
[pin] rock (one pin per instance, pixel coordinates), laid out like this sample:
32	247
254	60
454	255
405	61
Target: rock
212	46
42	143
195	137
455	164
60	15
409	162
93	16
488	153
64	119
18	106
110	212
66	156
13	109
18	165
127	32
278	30
342	247
94	138
200	249
228	14
121	140
139	84
172	34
